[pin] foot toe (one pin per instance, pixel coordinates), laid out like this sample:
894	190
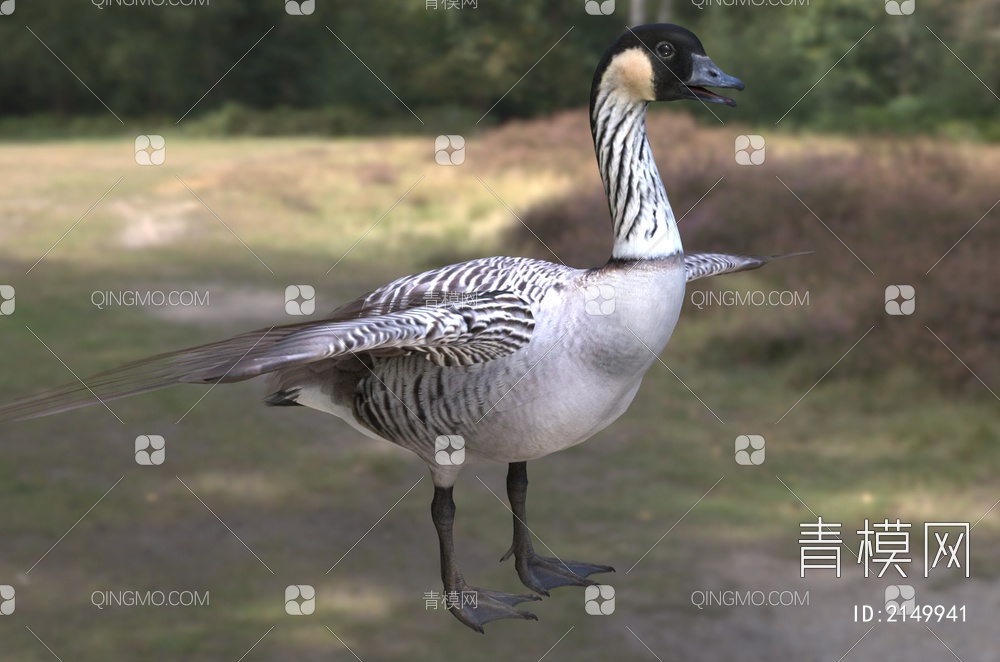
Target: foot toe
509	599
486	606
582	569
542	574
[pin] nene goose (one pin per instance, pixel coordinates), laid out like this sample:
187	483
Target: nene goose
530	358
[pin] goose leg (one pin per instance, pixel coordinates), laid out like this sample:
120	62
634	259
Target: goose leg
539	573
473	606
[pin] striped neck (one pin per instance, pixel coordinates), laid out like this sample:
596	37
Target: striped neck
644	226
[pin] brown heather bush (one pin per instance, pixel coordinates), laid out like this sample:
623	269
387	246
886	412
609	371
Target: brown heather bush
899	205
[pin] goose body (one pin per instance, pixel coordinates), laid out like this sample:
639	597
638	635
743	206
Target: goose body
577	373
519	358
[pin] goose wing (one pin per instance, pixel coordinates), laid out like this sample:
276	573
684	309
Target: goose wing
476	329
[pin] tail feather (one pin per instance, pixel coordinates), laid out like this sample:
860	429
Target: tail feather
205	364
495	324
706	265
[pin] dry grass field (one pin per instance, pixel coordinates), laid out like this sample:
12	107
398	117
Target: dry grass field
866	415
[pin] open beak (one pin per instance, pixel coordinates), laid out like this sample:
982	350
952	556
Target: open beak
704	75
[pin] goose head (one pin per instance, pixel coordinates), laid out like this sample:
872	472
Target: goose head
661	62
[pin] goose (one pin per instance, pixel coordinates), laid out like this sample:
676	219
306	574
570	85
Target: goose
521	358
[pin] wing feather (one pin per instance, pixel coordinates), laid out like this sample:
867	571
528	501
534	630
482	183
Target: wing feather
706	265
488	326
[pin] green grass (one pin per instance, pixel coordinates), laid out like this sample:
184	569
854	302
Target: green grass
300	487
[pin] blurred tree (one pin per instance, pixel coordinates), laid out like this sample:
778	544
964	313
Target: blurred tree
159	61
659	11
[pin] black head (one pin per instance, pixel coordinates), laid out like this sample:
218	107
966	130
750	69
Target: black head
662	62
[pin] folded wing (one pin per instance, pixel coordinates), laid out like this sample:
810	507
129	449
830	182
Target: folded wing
486	327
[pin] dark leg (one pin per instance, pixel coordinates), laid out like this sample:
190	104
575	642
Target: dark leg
474	607
539	573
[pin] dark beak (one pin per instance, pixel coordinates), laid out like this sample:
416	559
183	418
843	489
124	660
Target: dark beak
704	75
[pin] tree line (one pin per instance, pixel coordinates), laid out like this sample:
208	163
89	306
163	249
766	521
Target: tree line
145	60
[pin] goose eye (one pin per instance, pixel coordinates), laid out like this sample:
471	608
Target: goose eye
665	50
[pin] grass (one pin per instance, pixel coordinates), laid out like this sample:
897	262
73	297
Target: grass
300	488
